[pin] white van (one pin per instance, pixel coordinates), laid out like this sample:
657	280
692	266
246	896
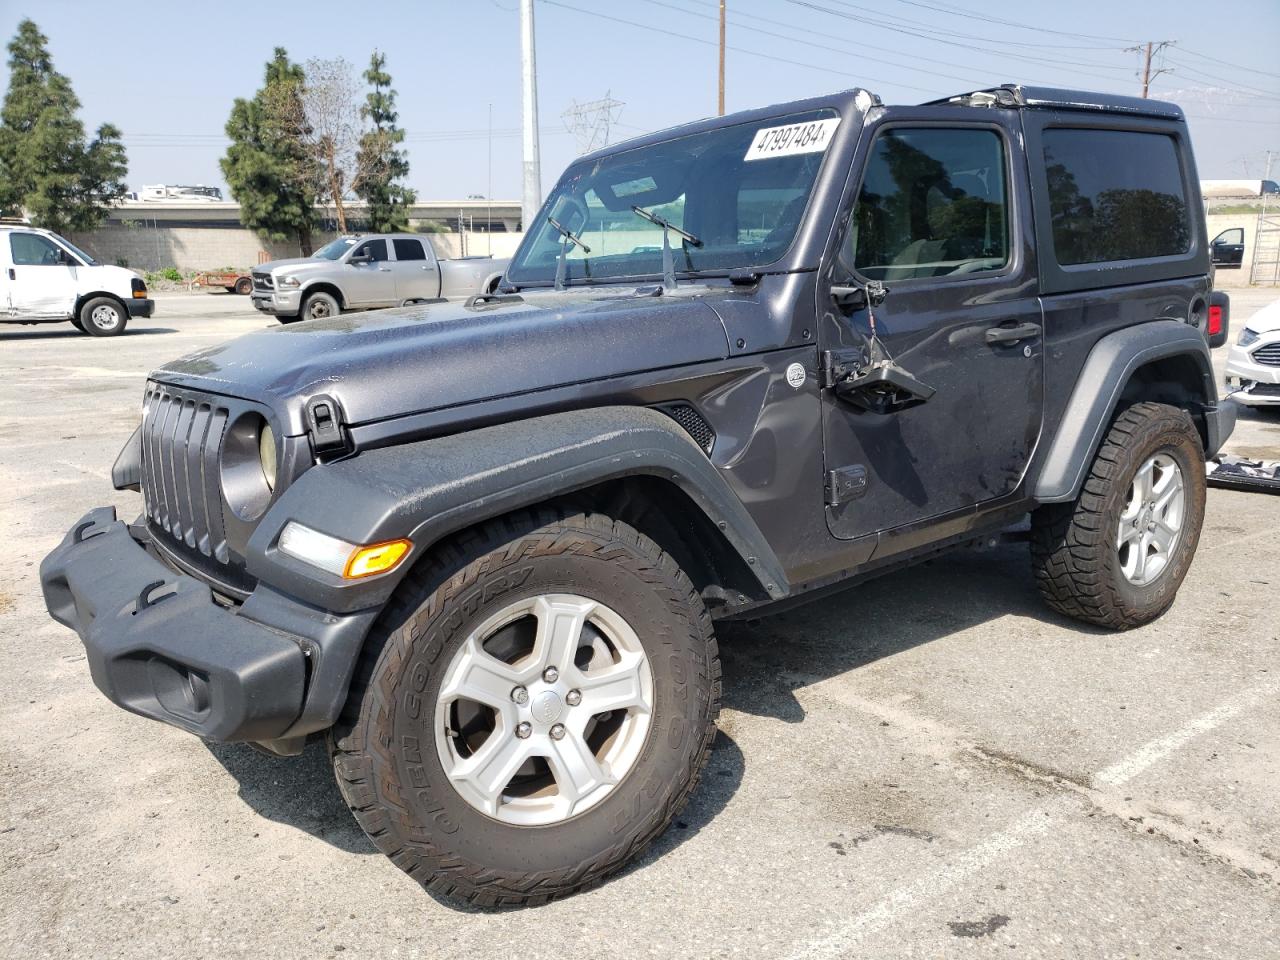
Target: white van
47	279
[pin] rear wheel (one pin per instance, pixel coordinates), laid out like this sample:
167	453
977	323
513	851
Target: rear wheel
1117	555
103	317
244	286
535	706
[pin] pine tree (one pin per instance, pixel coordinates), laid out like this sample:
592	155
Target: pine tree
46	167
269	167
382	164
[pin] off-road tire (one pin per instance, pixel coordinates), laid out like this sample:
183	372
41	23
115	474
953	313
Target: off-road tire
108	306
1074	551
386	762
317	302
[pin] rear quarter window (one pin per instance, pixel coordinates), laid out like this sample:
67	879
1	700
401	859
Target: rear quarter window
1115	195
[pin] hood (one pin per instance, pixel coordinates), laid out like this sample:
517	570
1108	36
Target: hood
1266	320
391	363
292	262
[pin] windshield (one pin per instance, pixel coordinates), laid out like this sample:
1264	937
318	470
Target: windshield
334	249
741	191
88	260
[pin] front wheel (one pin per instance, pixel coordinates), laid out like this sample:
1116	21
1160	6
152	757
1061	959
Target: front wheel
1117	555
318	306
534	707
103	317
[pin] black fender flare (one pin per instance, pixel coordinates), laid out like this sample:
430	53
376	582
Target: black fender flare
428	489
1107	370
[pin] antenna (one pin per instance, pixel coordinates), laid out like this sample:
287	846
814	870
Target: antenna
590	122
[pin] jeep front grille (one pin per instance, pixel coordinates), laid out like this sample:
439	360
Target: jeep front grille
181	439
1269	354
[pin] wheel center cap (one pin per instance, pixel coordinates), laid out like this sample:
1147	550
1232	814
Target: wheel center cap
546	707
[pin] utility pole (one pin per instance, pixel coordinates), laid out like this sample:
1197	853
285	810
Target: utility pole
531	200
1148	50
722	58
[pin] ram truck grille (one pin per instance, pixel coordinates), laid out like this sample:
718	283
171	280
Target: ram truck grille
263	281
1268	354
181	439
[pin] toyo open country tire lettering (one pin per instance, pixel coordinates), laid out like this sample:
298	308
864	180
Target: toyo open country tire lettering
534	706
1116	556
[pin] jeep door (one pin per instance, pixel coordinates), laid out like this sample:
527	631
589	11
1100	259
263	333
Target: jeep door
1227	248
42	277
415	270
937	210
369	283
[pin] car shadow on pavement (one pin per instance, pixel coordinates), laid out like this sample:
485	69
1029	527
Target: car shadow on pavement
299	792
765	661
71	333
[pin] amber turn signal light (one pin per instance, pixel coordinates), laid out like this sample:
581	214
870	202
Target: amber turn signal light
375	558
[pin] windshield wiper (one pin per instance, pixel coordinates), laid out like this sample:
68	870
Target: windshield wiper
569	238
668	264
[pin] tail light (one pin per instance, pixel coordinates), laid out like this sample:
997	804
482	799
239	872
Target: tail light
1215	320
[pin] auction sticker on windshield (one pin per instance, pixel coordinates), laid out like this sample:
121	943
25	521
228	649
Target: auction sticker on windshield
810	137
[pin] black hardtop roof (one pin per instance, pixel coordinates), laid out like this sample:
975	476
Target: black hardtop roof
860	100
842	102
1056	98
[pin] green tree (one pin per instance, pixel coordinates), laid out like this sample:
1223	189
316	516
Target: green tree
382	164
46	166
269	167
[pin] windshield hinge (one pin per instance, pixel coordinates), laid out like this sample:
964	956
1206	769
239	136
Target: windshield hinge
839	365
324	423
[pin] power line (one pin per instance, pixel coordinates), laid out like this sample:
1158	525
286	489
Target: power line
969	14
1227	63
844	51
1026	58
712	43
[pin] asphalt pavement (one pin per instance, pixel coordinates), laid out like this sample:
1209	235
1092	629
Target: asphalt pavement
929	765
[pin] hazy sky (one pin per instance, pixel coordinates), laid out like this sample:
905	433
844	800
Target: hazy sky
166	73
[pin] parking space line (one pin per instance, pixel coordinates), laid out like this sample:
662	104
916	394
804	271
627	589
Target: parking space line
968	862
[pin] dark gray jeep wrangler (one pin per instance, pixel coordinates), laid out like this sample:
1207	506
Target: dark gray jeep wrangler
483	546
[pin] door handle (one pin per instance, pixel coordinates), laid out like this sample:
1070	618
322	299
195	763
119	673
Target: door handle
384	269
1022	331
13	274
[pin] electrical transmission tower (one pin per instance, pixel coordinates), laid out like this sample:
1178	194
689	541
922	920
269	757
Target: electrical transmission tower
590	122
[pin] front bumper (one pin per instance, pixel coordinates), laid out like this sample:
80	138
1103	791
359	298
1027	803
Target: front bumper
141	308
158	645
1258	383
278	303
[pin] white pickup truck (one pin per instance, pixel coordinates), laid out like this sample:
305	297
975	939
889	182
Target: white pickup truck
45	278
367	272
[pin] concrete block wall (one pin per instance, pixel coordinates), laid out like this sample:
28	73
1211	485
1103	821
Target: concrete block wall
146	246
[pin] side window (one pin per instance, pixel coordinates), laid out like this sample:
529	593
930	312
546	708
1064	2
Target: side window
409	250
1230	237
33	250
1115	195
376	249
933	203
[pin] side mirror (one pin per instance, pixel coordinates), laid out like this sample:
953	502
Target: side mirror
360	258
65	259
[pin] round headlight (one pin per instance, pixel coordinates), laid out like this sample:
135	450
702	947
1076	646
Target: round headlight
267	454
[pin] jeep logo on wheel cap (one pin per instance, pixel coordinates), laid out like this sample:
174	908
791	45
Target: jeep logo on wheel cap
546	707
